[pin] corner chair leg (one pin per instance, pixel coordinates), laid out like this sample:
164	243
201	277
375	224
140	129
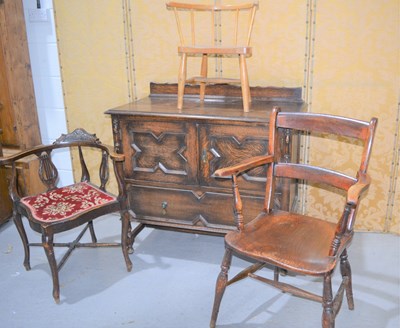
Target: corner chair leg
345	270
126	238
21	230
328	317
221	286
92	233
47	241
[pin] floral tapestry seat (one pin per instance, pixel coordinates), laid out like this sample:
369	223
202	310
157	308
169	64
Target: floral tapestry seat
66	202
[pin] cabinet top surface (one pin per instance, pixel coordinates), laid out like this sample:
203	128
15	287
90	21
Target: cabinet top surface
225	108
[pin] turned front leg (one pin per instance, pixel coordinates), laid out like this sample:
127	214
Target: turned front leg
221	285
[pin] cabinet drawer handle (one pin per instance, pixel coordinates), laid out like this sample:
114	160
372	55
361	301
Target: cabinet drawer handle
164	206
204	156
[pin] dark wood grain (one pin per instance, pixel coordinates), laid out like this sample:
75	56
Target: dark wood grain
229	91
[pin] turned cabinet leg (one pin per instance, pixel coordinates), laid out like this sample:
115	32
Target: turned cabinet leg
345	270
221	285
328	317
47	240
182	80
126	239
22	233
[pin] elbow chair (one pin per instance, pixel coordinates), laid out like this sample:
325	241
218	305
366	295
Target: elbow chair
294	242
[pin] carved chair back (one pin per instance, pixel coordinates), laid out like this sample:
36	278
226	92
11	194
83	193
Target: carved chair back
48	172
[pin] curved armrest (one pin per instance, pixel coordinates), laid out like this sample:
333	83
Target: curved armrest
356	190
7	160
113	155
244	166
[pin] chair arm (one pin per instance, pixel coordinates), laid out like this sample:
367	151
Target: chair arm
234	171
113	155
8	160
356	190
244	166
118	166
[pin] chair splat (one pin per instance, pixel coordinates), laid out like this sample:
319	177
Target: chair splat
48	172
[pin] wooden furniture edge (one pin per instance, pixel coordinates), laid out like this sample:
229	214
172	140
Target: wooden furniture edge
226	90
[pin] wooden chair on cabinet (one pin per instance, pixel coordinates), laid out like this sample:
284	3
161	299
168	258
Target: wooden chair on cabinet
63	208
293	242
206	41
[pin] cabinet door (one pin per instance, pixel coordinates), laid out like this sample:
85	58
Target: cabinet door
226	145
159	151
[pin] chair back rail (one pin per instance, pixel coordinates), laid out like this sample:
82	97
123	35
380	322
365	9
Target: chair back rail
314	174
214	10
323	123
336	125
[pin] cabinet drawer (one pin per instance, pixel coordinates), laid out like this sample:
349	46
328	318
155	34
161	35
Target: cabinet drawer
160	151
185	208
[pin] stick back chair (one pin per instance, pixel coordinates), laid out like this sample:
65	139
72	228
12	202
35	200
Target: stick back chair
192	44
63	208
290	241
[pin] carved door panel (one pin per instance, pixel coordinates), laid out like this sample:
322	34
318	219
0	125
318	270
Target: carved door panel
225	145
160	151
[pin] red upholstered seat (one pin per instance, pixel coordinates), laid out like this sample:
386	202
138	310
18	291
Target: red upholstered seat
66	202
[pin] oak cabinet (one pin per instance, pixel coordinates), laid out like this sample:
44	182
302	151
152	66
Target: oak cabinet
171	156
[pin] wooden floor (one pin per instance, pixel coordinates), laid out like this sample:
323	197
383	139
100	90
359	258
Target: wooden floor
172	285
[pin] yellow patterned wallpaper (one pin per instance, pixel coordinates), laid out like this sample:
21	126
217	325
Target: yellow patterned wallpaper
356	73
344	54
